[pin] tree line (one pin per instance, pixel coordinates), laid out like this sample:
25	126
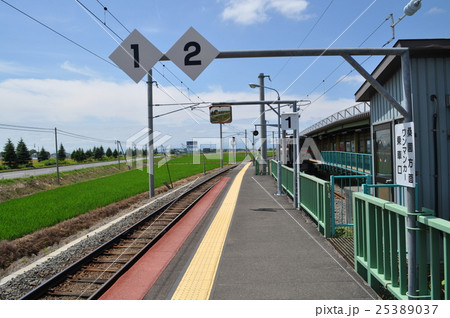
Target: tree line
20	156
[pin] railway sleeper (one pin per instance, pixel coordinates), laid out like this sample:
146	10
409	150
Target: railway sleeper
68	294
89	280
96	269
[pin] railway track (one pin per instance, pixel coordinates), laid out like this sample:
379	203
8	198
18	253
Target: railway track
95	273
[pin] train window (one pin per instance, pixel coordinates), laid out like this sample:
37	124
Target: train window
348	146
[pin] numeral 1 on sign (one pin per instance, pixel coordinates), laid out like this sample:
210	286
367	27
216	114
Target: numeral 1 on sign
135	48
289	122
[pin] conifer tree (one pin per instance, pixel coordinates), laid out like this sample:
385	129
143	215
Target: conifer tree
22	153
62	153
43	155
9	154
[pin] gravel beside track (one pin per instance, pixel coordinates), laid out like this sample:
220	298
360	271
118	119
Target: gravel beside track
23	283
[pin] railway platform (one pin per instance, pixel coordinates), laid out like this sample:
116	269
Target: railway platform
241	241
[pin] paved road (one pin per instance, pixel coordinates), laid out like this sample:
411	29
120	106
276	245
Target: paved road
37	172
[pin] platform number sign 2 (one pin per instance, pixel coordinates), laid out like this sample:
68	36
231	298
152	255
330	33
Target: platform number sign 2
289	121
136	56
192	53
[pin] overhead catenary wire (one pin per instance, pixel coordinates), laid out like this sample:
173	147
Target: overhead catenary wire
163	65
318	57
342	63
81	46
58	33
101	24
306	37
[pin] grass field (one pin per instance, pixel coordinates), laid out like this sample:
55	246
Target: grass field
25	215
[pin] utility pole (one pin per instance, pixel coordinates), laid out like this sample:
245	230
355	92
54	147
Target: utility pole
150	168
57	163
262	118
221	147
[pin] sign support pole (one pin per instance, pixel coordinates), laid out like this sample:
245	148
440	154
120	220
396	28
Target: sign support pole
295	159
150	166
410	192
262	117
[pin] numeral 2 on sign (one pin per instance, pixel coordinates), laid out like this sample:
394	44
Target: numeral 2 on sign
197	49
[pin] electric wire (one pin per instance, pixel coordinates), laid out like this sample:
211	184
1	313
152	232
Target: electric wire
306	36
106	10
58	33
164	66
94	15
51	131
343	62
100	23
318	57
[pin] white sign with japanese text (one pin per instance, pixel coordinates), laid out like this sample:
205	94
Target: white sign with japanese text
405	166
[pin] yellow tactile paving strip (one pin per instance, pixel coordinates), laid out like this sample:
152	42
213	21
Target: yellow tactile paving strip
198	279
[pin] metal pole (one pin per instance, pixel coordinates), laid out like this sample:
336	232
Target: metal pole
295	159
118	153
150	168
279	188
262	117
221	147
203	161
410	192
246	151
273	145
57	162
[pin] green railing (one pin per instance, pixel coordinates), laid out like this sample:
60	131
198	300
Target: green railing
287	177
341	200
273	168
381	254
350	161
315	199
287	180
314	195
380	238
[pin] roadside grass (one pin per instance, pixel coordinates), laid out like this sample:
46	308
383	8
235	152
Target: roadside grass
22	216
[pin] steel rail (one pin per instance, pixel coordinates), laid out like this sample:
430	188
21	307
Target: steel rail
43	290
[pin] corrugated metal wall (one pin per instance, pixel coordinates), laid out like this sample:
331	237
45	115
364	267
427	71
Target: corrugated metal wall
430	76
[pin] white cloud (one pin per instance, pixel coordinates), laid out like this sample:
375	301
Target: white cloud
248	12
104	109
13	68
436	10
86	71
352	79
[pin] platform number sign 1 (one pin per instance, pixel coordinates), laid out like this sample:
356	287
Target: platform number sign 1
192	53
136	56
289	121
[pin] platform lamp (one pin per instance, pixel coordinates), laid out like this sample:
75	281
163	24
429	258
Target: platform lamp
279	188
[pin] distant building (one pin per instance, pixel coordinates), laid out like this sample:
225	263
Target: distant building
191	146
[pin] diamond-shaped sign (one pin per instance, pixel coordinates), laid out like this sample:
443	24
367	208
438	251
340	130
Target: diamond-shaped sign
192	53
136	55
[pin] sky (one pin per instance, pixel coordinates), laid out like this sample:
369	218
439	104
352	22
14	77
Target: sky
67	81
